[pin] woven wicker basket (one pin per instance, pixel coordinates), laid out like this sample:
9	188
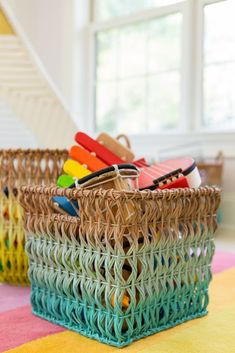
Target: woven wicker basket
117	279
17	168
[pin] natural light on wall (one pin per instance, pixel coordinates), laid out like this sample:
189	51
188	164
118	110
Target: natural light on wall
140	74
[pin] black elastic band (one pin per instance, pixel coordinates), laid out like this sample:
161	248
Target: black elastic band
106	170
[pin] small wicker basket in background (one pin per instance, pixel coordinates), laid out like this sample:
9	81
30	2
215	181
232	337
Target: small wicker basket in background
211	171
17	168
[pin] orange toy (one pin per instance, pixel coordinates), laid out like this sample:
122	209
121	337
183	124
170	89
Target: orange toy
125	301
84	157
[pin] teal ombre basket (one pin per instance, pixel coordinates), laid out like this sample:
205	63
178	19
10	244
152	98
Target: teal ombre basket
133	264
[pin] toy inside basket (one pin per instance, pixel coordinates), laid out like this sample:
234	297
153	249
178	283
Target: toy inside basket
17	168
117	277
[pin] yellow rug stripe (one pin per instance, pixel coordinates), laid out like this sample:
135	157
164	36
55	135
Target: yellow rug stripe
222	290
5	27
211	334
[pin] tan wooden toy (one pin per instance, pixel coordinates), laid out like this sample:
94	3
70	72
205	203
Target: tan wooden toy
116	147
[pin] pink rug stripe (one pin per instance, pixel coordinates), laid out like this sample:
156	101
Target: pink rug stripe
222	261
12	297
19	326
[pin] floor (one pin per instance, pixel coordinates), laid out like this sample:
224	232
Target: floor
225	239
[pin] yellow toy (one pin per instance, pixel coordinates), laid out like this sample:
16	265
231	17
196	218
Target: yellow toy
74	169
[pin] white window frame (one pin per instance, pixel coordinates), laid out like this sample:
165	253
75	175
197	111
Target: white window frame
198	43
191	80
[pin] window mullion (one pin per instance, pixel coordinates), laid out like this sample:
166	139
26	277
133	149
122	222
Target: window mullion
186	69
138	17
208	2
198	64
191	68
91	122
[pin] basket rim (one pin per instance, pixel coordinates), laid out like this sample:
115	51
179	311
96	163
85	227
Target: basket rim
115	194
15	151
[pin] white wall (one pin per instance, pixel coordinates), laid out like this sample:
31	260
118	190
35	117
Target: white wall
82	55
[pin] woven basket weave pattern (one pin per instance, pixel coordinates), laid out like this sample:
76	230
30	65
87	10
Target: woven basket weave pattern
17	168
78	267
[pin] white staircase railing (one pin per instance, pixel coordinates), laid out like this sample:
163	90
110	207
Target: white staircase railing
28	90
13	133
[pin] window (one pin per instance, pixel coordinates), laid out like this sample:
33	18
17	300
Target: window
142	56
219	61
133	89
109	9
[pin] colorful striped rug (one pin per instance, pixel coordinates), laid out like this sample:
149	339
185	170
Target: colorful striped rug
22	332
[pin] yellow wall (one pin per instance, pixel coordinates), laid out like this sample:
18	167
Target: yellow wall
5	27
